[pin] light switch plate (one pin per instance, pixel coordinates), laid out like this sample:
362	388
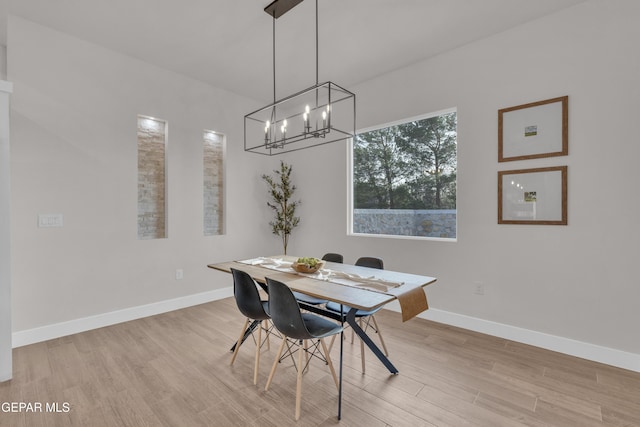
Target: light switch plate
50	220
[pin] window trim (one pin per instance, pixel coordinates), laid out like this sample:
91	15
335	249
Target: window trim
350	192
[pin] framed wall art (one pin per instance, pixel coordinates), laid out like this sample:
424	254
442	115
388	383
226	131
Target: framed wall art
538	129
533	196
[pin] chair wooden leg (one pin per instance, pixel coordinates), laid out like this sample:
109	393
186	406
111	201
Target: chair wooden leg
326	355
333	338
362	347
275	363
257	362
299	382
384	346
239	342
306	354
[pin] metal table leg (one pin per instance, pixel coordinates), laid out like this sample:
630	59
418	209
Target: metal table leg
351	320
341	349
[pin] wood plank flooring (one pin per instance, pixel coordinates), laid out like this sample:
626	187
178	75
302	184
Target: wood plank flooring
173	370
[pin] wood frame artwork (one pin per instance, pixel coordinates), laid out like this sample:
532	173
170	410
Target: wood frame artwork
533	196
535	130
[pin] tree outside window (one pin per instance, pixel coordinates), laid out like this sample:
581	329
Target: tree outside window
404	178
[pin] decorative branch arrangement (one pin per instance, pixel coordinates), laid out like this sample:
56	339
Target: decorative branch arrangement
281	191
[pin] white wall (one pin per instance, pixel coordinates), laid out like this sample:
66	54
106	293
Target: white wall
6	358
74	152
578	281
3	62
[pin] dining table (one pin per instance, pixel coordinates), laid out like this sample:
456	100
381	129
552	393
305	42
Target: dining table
353	287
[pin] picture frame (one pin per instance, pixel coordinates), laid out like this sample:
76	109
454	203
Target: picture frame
533	196
534	130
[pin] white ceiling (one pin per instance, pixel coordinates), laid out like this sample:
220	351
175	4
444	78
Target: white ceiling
228	43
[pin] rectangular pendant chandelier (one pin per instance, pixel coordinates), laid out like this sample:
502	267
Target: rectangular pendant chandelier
318	115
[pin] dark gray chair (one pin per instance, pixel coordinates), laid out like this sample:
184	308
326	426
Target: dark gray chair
365	317
297	329
245	291
331	257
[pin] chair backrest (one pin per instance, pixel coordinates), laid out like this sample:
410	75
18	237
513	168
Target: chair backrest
285	311
247	296
371	262
331	257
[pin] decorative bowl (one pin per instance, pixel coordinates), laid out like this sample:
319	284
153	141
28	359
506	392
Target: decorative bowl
305	268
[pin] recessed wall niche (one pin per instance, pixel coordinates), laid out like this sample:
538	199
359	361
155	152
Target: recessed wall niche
152	178
213	183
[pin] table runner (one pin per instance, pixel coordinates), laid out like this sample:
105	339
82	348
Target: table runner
412	299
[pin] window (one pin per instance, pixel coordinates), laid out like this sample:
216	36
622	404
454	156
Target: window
404	178
213	184
152	218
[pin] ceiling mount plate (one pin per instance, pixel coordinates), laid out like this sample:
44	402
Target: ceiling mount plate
278	8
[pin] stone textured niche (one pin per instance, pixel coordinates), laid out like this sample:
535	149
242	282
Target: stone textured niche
213	184
152	148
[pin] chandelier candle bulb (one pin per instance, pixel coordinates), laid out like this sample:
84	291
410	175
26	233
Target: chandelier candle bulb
305	117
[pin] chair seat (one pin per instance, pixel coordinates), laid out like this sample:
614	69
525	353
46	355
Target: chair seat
319	327
335	307
308	299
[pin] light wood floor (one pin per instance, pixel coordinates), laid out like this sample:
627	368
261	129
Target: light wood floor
173	370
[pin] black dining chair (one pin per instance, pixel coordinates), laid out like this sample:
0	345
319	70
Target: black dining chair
298	329
331	257
245	291
371	262
365	317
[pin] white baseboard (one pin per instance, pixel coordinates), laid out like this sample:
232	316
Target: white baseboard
62	329
596	353
609	356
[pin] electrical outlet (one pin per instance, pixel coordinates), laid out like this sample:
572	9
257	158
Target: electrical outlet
478	288
179	274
